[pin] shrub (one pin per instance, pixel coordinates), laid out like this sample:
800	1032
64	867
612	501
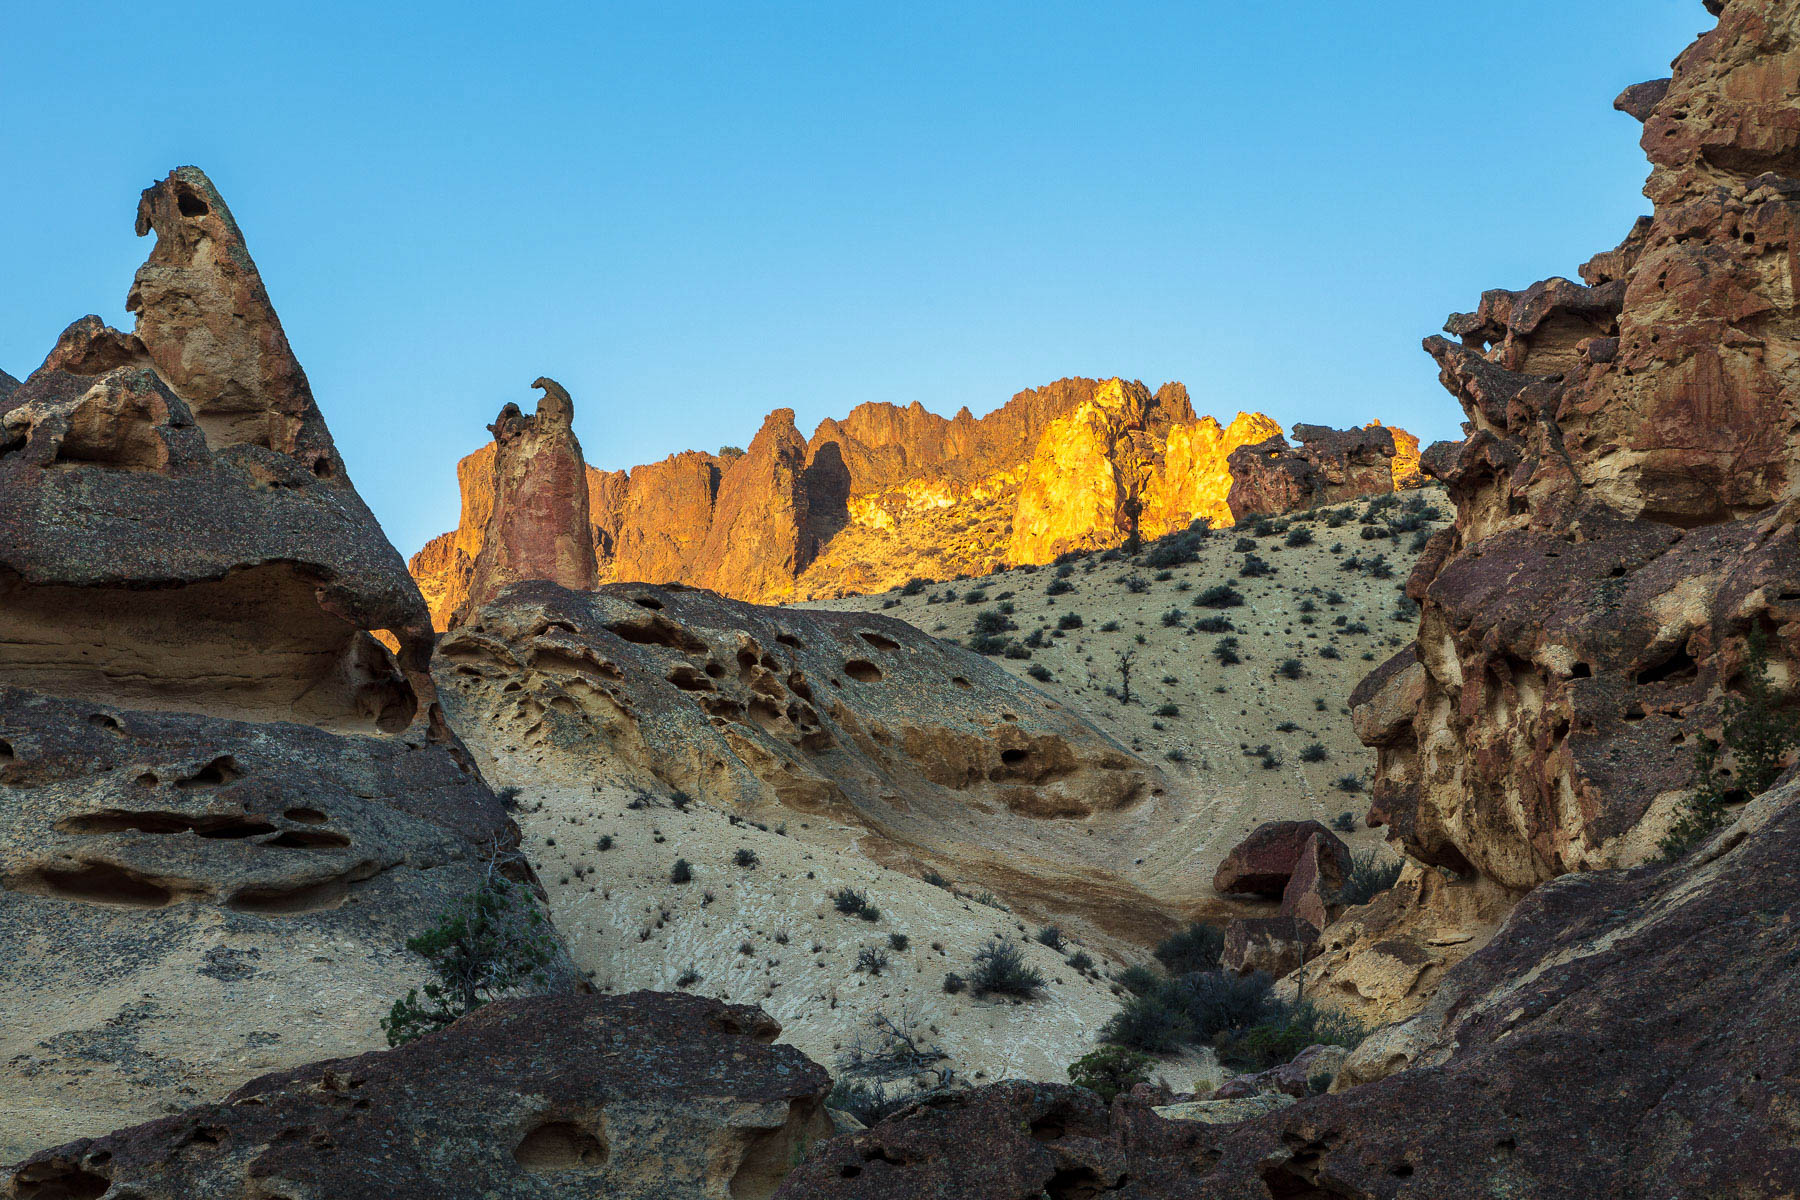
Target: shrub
849	901
491	942
1059	587
872	960
1290	668
1080	961
1299	535
1110	1070
913	586
1196	948
1350	785
1344	822
1220	595
1284	1031
1330	653
1149	1023
1172	618
1243	545
1176	755
1069	621
1314	752
1001	970
899	941
1225	651
1219	624
688	978
1039	672
1219	1002
954	983
681	872
745	857
989	621
1255	566
1049	936
1167	710
1016	651
1137	585
1138	979
1369	876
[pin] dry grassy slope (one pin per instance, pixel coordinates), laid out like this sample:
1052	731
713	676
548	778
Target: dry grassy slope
1221	711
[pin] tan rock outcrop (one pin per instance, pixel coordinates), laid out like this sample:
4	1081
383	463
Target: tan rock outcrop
761	536
537	523
227	793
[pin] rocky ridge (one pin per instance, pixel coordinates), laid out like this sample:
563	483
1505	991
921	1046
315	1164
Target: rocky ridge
225	803
887	493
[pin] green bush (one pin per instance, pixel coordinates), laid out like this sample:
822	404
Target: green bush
1149	1023
487	944
1314	752
1284	1031
1000	970
1138	979
1039	672
681	872
1110	1070
1196	948
1220	595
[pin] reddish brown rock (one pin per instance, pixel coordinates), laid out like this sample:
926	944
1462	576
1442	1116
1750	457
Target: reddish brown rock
890	493
1264	861
1328	467
761	536
1317	879
1624	501
639	1096
537	526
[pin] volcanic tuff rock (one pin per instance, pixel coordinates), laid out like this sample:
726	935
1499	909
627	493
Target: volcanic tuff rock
645	1095
1330	465
1627	1033
1625	501
224	804
537	526
889	493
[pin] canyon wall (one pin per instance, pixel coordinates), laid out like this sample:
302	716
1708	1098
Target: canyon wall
889	493
1625	523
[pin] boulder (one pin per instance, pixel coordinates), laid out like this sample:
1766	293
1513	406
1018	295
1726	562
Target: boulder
1316	883
646	1096
1295	1077
1264	861
1328	467
1225	1110
1272	945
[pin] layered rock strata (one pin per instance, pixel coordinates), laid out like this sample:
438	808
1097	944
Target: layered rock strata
890	493
225	804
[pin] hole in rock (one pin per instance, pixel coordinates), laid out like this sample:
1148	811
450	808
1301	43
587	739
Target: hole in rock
222	769
1581	671
788	639
561	1146
309	839
649	602
104	721
1014	757
306	816
98	883
280	901
58	1180
878	641
1677	666
120	820
862	670
1075	1183
190	204
960	682
688	679
657	630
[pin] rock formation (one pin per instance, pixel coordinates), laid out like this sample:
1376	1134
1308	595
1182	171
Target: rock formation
224	803
1625	516
537	522
1627	1033
638	1097
1329	466
771	712
890	493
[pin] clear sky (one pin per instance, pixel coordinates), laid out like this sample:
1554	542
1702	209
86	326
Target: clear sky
693	213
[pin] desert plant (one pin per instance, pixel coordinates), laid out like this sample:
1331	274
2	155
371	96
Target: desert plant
1172	618
1369	876
681	872
1168	710
1069	621
1196	948
745	857
1344	822
1110	1070
1299	535
872	960
1284	1031
1314	752
1150	1023
1214	625
850	902
1049	936
1290	668
1220	595
491	942
1125	659
954	983
1137	585
899	941
1000	969
1255	567
1039	672
1225	650
1350	785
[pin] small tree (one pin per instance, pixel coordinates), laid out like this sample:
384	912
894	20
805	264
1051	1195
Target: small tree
1126	658
491	942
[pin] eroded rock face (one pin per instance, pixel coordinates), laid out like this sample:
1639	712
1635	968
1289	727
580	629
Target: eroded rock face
224	803
1627	1033
1624	501
537	524
889	493
647	1095
1265	860
1328	467
768	712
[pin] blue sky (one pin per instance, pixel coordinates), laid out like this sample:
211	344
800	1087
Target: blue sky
693	213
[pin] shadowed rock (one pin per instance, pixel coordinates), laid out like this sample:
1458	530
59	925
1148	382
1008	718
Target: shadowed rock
640	1096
